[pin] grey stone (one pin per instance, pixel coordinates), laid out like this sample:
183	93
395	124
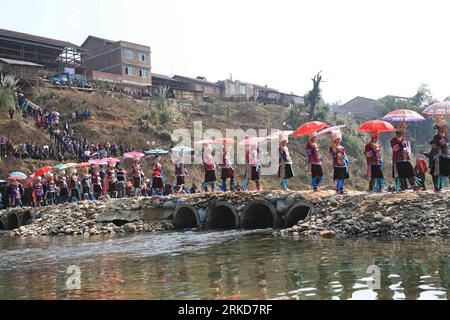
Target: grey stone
290	200
391	210
282	207
387	222
129	227
169	205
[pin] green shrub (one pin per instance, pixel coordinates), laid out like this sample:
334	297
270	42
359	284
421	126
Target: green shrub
6	99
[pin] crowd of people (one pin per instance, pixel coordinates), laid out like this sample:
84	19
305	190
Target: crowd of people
65	145
102	174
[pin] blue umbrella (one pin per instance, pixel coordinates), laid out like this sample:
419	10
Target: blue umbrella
156	152
17	176
58	166
182	148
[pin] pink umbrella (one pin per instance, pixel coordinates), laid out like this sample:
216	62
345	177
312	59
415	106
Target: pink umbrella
330	129
224	140
279	134
252	141
111	160
98	161
205	141
133	154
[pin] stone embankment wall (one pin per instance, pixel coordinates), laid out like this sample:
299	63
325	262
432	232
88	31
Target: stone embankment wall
303	213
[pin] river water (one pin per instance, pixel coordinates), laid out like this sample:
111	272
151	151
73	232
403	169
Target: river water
223	265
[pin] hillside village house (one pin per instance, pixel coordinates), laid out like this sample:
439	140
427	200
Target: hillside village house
360	108
24	70
265	94
53	55
176	88
209	89
236	90
124	63
290	98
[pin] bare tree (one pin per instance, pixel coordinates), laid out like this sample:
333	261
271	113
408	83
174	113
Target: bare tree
314	95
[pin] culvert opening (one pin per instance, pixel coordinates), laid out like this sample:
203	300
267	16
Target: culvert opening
13	222
297	213
26	219
259	215
2	226
222	217
186	217
120	223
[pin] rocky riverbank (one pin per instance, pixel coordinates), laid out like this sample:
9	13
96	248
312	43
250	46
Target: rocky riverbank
400	215
356	214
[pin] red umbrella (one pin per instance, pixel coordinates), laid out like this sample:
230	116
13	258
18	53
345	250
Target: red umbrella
376	126
309	127
82	164
40	172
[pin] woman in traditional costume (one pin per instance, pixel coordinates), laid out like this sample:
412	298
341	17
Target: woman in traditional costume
209	167
157	177
285	170
372	151
402	168
314	162
441	161
340	161
227	170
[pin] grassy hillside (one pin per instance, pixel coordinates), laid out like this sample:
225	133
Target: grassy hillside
118	118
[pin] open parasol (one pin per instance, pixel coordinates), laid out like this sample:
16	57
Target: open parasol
207	141
329	129
64	166
16	175
278	134
252	141
376	126
111	160
40	172
403	115
133	155
439	109
182	148
82	164
99	162
309	127
156	152
225	140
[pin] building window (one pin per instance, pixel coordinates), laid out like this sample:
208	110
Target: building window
242	89
129	71
232	88
143	73
129	54
142	57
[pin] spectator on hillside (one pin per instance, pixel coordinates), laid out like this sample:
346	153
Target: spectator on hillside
11	113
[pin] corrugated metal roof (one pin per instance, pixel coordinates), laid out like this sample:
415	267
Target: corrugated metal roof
20	63
36	39
162	76
198	80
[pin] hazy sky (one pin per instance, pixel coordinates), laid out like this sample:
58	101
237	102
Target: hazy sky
366	48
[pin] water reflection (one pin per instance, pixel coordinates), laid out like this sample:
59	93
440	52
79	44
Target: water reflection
231	265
